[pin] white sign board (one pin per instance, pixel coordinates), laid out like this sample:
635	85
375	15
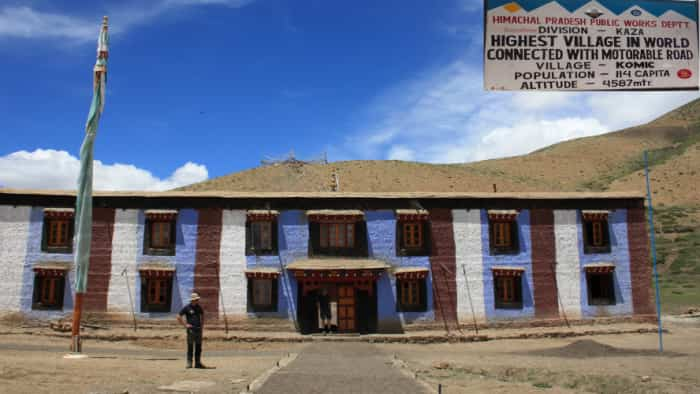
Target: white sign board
594	45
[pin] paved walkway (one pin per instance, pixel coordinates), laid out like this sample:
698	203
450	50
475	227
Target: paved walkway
330	367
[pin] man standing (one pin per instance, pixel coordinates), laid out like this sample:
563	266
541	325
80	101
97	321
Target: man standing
194	322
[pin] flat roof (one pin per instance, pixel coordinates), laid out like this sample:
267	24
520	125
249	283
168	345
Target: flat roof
333	195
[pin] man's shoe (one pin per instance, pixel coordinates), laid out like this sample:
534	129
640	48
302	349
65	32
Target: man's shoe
189	364
201	366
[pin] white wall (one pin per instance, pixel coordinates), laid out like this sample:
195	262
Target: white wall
233	262
124	250
568	265
14	233
466	225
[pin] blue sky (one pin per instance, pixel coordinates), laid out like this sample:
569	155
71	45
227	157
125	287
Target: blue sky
202	88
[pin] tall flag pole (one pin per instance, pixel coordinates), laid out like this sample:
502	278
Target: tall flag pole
653	251
83	204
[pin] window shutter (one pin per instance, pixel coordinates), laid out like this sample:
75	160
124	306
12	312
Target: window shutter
423	295
144	295
606	234
45	235
427	247
60	290
399	305
249	306
248	239
275	300
314	238
173	234
275	236
361	239
147	236
399	239
514	236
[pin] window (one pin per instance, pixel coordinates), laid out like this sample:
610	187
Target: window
58	235
261	237
262	295
330	238
412	238
596	236
412	235
411	295
156	291
508	291
48	290
337	235
601	290
159	237
503	236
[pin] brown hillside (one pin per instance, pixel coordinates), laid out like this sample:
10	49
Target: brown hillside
609	161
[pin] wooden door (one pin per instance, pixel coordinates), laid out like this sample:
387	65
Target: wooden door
346	308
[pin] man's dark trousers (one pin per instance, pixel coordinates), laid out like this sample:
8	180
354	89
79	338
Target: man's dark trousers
194	344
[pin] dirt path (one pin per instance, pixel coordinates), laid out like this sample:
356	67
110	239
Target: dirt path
340	368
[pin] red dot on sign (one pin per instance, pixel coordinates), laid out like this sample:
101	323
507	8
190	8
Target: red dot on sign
684	73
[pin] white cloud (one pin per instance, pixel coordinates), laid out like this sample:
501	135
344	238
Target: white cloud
29	23
54	169
446	116
399	152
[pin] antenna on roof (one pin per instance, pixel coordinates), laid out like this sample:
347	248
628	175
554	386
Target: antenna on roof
291	159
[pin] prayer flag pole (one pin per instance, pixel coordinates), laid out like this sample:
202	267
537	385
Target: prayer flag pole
83	203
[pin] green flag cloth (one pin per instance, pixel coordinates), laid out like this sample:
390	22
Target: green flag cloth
83	204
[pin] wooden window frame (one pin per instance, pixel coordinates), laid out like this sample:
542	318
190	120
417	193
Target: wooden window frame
58	291
588	229
608	281
67	245
165	285
358	249
149	248
254	308
402	249
513	234
250	238
420	286
515	287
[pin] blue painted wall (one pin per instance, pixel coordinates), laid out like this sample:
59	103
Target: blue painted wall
293	244
619	255
381	232
36	256
522	259
184	260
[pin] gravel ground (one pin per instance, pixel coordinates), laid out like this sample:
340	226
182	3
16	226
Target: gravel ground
36	365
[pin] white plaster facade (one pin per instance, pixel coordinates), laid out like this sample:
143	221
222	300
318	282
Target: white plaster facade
14	233
124	254
468	256
568	271
234	294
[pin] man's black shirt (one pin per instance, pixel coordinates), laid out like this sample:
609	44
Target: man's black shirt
193	314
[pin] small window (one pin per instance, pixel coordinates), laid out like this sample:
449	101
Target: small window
156	293
508	291
48	291
411	295
261	237
412	238
58	235
601	290
596	236
503	236
262	295
159	237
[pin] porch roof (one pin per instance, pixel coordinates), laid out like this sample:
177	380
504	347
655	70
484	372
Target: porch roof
337	264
